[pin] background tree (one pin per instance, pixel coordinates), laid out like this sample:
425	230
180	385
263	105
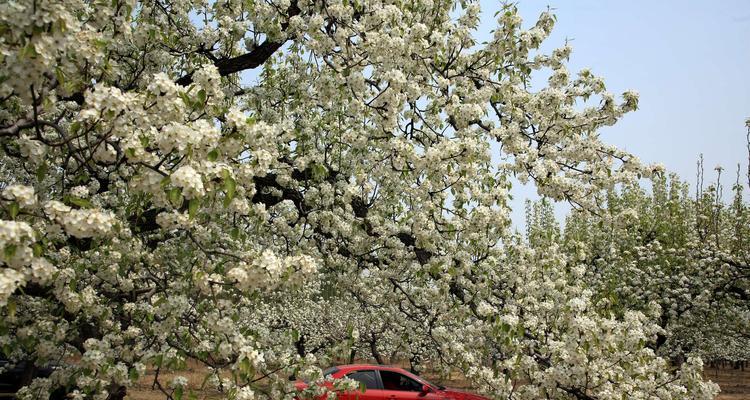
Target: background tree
663	245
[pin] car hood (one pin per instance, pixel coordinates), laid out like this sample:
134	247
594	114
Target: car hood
456	394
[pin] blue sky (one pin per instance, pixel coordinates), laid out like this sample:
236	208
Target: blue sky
689	60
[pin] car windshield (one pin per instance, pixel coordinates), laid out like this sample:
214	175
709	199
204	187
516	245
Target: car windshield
330	371
326	373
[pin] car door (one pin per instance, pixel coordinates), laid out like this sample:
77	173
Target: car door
370	382
398	386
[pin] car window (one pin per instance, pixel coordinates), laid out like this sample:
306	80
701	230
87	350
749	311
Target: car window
395	381
366	377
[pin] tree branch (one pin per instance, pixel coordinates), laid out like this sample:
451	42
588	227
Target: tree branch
250	60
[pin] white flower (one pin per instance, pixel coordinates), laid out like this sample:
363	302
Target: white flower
21	194
240	206
179	381
395	78
263	159
82	192
33	150
631	100
10	279
245	393
173	220
190	181
105	153
485	309
236	118
15	238
240	275
255	357
162	84
304	263
577	304
208	79
182	138
81	223
271	263
42	270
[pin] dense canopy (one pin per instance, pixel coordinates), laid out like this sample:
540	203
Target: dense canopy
349	198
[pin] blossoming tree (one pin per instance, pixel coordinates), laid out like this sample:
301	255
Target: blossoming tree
688	255
158	204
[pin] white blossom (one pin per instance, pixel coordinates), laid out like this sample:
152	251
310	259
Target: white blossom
190	181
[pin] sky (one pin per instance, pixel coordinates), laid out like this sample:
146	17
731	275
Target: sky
689	60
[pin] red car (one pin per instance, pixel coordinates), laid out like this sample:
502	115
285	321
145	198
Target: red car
390	383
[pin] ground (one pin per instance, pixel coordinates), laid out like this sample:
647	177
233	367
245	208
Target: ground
734	383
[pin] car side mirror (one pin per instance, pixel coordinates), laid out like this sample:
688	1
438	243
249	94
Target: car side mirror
426	389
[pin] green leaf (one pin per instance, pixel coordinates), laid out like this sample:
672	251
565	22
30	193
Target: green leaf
11	308
175	196
75	127
41	172
230	187
81	179
13	209
38	249
202	97
83	203
10	250
100	43
177	393
246	368
193	206
29	51
319	172
60	76
213	155
186	99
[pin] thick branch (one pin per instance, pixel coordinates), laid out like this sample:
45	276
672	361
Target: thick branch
250	60
16	127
